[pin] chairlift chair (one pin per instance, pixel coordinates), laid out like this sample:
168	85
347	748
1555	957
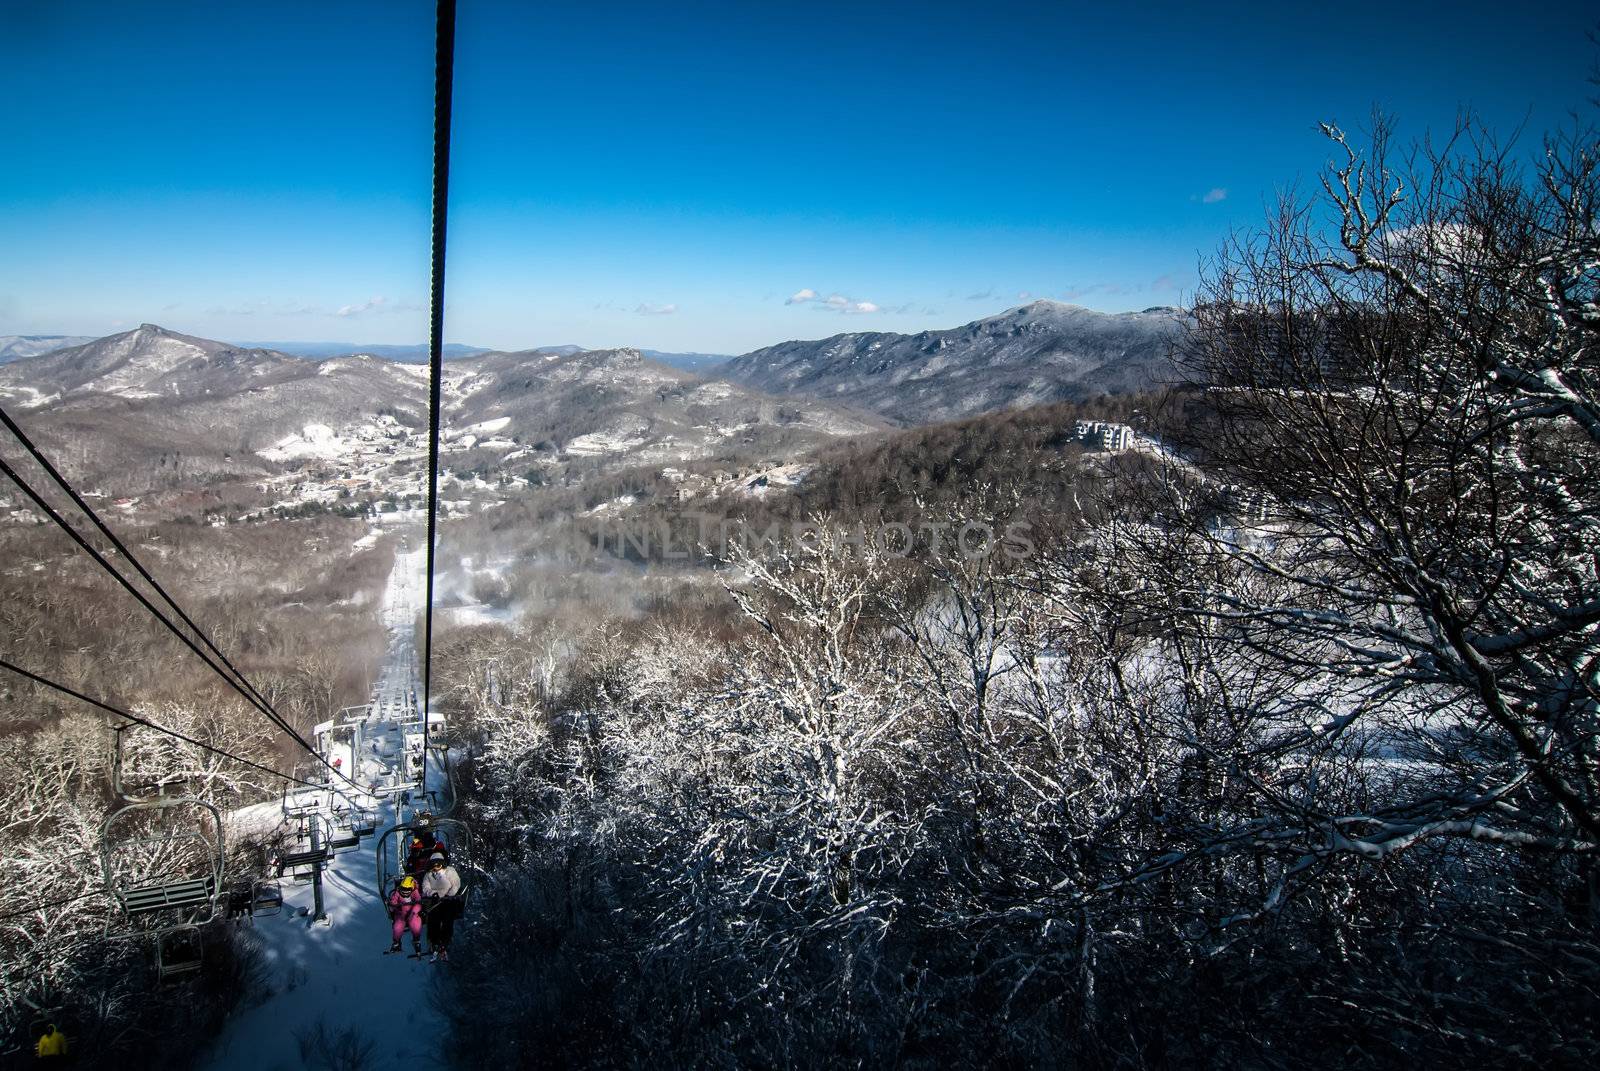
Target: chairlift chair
343	844
266	898
45	1006
179	952
139	774
391	851
241	898
301	875
316	844
146	897
363	821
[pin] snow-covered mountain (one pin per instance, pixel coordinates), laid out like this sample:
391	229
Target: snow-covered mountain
140	401
155	407
699	363
1042	352
621	403
144	363
15	347
703	364
144	399
412	353
418	353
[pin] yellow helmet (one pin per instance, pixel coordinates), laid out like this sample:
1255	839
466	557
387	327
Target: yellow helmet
408	882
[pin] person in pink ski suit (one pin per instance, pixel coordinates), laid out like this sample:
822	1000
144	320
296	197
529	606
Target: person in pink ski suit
405	908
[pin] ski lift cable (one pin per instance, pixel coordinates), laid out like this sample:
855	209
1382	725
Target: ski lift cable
61	481
147	723
100	559
443	86
53	903
61	522
444	65
88	548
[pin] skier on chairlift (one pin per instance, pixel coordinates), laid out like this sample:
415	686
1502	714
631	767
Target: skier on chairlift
405	908
423	845
441	893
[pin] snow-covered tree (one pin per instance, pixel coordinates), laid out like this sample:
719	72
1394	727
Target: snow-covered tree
1408	373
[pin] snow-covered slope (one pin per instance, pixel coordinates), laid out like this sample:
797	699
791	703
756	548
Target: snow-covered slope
144	363
335	974
16	347
619	403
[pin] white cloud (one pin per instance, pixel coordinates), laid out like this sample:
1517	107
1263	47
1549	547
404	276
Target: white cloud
1213	195
648	309
840	303
377	304
372	304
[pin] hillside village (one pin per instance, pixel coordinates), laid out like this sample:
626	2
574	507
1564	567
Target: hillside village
378	466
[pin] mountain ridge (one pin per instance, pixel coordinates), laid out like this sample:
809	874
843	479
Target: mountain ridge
1041	352
16	347
140	399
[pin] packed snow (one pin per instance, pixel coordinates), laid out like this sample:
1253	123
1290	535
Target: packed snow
313	441
334	974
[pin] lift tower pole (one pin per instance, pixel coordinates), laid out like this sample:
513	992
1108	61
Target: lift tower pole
317	912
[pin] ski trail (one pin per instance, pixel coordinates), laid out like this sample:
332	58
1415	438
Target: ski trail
336	974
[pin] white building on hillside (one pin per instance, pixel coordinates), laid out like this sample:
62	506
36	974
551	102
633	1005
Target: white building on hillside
1100	435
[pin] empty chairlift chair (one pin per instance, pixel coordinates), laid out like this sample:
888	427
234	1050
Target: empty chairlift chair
164	856
253	898
146	766
179	952
266	898
163	862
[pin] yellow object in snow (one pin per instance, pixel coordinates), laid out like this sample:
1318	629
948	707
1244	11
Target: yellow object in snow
53	1043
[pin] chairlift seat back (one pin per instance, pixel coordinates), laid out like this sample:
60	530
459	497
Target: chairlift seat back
295	860
179	894
266	898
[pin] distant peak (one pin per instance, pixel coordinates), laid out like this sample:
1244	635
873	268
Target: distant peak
1040	307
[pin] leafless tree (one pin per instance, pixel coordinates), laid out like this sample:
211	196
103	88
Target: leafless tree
1412	390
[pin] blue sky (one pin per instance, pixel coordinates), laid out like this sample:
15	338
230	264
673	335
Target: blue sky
673	175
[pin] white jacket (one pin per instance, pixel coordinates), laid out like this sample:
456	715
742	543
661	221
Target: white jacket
446	882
